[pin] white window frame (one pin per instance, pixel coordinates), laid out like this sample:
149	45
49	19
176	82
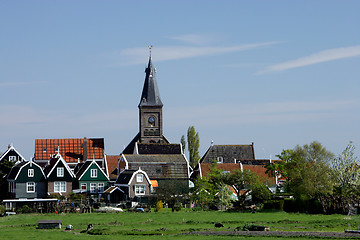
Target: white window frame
220	159
31	172
92	187
140	190
83	184
93	173
12	187
101	187
12	158
59	186
30	187
60	172
139	177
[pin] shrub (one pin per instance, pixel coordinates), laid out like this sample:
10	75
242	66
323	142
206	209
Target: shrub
25	209
177	206
159	206
2	209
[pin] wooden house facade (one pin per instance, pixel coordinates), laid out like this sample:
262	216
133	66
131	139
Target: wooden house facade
27	180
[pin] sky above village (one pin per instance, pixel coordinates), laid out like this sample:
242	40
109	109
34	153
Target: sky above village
276	73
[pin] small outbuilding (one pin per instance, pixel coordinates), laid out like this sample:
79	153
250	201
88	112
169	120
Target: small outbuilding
49	224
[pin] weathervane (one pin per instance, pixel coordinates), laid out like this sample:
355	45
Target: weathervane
150	47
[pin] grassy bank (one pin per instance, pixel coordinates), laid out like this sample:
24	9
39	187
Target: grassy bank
167	225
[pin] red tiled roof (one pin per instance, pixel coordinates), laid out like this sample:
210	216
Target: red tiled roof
231	167
112	164
71	149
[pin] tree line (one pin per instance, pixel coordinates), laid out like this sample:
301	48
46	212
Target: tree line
311	172
308	173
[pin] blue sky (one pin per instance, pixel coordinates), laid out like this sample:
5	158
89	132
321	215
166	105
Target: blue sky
276	73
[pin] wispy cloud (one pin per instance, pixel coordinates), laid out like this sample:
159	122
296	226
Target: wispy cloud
258	113
319	57
19	84
196	39
136	55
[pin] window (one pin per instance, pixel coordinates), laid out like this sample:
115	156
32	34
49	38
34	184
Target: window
93	173
59	186
139	189
30	172
220	159
44	150
60	171
30	187
12	158
101	187
12	187
83	186
139	178
92	187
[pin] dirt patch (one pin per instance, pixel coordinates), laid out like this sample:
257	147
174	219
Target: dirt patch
277	233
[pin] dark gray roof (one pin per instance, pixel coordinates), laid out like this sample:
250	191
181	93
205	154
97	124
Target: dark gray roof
131	146
162	166
158	148
150	95
229	153
125	176
14	170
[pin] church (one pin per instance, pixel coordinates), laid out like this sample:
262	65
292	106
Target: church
150	151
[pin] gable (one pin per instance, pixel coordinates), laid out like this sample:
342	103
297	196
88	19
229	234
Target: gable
12	155
68	175
86	175
23	175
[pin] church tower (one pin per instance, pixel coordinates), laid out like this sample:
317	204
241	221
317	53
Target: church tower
150	109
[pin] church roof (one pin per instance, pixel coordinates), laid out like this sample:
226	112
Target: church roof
160	166
158	148
150	95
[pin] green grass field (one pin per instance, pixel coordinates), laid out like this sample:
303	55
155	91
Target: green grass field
167	225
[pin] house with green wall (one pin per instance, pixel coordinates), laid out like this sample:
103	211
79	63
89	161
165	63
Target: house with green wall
27	180
91	178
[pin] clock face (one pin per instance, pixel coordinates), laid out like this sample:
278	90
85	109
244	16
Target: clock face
151	120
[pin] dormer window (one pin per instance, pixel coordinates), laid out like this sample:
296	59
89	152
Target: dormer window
139	178
60	172
30	172
220	159
93	173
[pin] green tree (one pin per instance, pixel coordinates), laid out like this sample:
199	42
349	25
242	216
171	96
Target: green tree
223	196
193	146
203	193
247	183
5	167
346	174
306	170
183	143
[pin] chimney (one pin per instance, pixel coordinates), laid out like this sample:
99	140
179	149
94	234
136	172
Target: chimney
85	149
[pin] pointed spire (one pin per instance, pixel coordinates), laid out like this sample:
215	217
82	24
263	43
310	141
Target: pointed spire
150	95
